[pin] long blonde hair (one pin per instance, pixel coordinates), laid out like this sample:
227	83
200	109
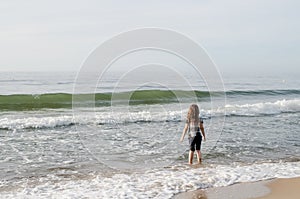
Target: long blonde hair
193	114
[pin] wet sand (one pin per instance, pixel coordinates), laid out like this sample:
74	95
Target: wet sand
269	189
283	188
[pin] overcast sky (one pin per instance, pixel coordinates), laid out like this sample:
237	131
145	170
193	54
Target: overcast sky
246	36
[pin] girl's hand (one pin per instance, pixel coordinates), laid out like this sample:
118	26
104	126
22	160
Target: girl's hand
204	139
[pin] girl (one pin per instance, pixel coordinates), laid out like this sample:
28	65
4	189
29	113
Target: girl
193	125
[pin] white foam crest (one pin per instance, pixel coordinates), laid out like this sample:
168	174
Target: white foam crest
255	109
139	116
262	108
35	122
159	183
85	118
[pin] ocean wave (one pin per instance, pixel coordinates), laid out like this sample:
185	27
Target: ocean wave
20	102
108	116
264	108
64	100
276	92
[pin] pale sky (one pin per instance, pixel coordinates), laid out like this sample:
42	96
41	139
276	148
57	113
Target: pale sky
239	35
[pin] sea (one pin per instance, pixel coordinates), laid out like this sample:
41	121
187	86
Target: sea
124	143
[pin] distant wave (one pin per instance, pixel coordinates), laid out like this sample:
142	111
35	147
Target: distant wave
19	102
263	92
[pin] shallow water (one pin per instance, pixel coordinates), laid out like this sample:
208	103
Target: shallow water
133	150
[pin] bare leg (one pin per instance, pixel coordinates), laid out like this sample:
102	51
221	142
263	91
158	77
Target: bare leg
199	156
191	156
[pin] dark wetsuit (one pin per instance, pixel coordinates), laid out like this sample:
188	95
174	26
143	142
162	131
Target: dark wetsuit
195	137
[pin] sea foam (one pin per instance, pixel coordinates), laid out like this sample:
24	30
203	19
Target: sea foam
163	183
264	108
108	116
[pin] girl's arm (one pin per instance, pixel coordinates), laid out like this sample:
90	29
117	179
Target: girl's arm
202	130
184	132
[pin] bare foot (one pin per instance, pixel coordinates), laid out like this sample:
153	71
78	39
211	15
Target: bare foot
200	161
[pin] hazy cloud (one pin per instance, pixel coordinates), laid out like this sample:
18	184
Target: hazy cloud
58	35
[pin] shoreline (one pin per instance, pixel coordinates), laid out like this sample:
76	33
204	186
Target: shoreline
267	189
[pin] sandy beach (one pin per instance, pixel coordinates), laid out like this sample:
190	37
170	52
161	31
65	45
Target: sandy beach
269	189
283	188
